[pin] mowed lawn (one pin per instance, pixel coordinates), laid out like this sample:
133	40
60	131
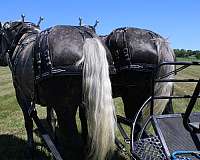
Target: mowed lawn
192	72
12	131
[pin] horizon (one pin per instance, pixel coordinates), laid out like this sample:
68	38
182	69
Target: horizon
176	20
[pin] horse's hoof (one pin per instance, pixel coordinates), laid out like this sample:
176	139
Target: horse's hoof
29	152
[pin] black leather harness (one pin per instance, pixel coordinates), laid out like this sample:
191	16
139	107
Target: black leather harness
42	57
121	56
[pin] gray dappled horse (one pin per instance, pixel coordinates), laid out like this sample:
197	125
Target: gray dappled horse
136	52
62	67
133	55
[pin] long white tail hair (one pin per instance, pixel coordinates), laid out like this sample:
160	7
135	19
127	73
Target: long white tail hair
165	54
97	97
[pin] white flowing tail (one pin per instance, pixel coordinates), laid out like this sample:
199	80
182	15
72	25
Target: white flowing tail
97	96
166	54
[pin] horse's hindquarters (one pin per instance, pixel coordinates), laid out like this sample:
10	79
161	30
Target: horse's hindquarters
132	79
59	90
134	87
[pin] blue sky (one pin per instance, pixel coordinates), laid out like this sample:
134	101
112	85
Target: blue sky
178	20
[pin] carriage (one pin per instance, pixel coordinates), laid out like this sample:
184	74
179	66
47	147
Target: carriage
167	136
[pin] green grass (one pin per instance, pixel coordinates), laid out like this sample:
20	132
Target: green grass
192	58
12	131
192	72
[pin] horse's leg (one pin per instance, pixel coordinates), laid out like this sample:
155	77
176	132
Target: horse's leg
131	104
25	104
69	136
49	115
84	129
66	119
51	119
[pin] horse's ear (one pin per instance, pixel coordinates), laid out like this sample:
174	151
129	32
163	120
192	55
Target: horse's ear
23	17
40	20
96	23
80	21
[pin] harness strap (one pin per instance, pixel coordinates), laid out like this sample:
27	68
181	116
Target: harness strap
39	55
42	60
126	49
43	66
121	56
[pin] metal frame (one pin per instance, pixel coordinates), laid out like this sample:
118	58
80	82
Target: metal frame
151	99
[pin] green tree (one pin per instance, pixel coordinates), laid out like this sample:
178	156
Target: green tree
198	55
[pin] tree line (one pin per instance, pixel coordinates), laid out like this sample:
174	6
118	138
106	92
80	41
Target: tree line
187	53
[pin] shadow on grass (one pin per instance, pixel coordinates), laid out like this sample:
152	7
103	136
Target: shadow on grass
14	148
72	148
69	147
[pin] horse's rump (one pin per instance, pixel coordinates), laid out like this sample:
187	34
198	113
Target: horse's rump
136	54
132	45
51	59
136	51
59	48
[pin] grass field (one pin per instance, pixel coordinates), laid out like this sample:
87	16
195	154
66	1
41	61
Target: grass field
12	131
186	88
